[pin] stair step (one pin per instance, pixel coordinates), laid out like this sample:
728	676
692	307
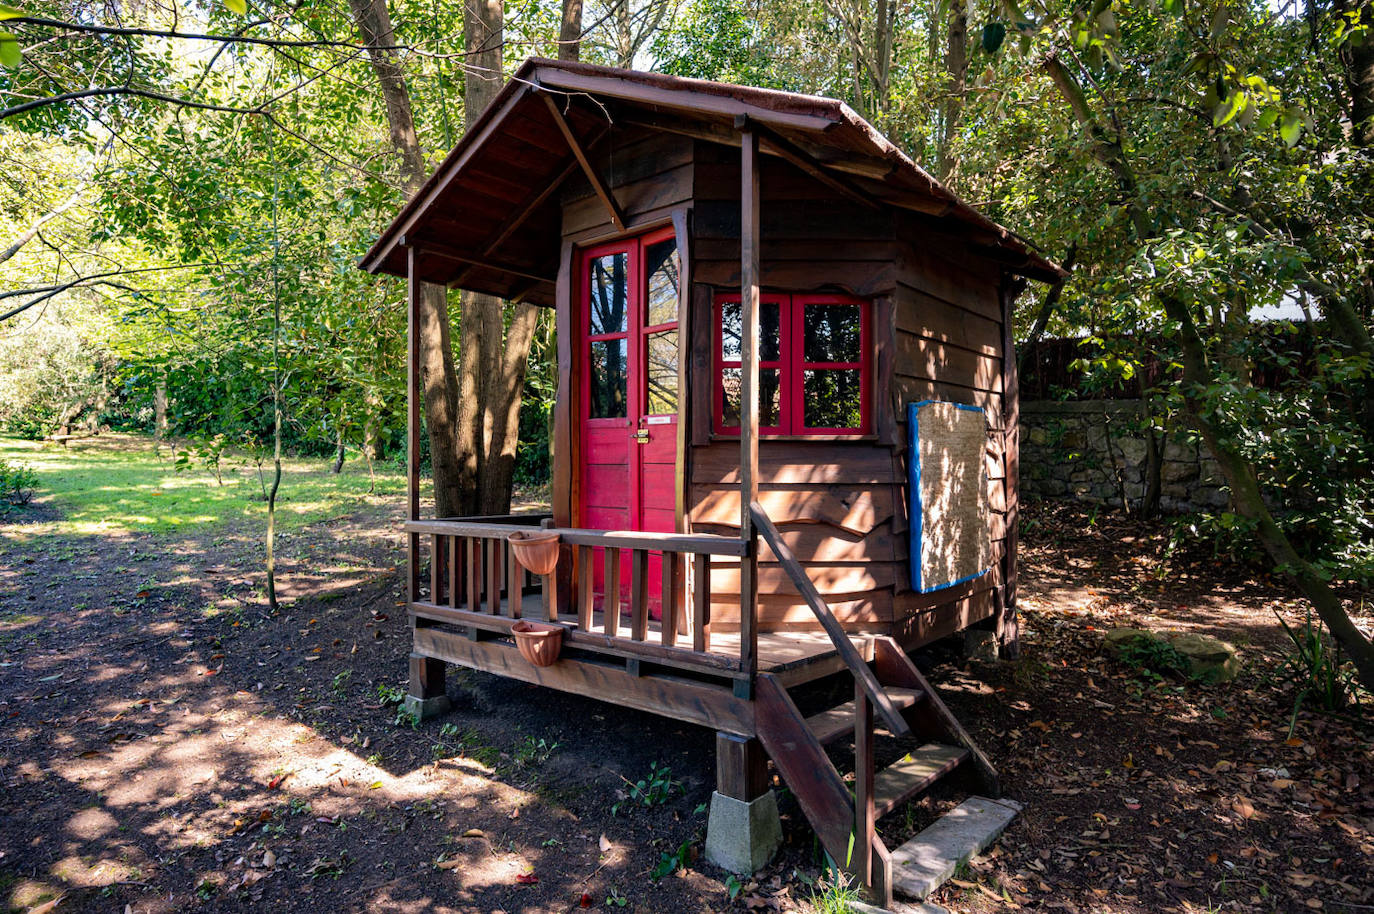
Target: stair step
913	773
829	726
928	860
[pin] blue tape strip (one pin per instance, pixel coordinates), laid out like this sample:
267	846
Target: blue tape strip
913	473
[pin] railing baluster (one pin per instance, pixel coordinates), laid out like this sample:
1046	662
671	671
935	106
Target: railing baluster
474	581
639	594
493	551
585	574
669	617
454	575
701	603
436	566
514	575
610	601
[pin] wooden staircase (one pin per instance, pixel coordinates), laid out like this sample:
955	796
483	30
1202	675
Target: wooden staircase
894	694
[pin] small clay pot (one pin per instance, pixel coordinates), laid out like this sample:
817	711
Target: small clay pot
539	642
537	550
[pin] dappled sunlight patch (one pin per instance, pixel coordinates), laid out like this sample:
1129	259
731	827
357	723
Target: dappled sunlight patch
29	893
76	871
94	822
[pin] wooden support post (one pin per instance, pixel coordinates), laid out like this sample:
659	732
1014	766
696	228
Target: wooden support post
749	407
585	575
593	177
863	785
701	603
426	677
741	768
610	598
668	595
1008	625
413	420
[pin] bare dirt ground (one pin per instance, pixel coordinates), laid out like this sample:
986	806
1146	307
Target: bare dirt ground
167	744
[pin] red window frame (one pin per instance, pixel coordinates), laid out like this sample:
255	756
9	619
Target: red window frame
792	365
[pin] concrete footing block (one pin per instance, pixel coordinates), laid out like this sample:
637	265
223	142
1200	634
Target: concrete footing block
741	836
425	708
980	644
924	863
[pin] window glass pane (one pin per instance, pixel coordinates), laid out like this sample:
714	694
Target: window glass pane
731	320
610	287
832	399
662	380
663	266
831	333
770	396
608	379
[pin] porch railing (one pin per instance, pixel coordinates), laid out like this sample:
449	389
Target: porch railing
474	581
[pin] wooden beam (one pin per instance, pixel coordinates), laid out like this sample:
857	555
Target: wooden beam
518	218
749	406
794	154
414	303
602	191
678	698
439	249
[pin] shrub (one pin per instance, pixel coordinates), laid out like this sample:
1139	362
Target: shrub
1153	656
17	482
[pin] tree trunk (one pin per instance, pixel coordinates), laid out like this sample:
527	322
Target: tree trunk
160	407
337	468
492	377
956	68
570	32
1198	374
440	378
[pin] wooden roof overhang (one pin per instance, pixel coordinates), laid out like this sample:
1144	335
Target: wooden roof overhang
488	219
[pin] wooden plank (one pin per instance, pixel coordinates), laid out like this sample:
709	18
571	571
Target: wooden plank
574	536
610	600
436	567
865	813
593	176
702	336
585	574
455	576
670	189
914	773
921	628
826	578
823	543
849	508
882	704
861	278
922	358
639	594
884	369
515	590
449	252
1009	628
925	315
859	463
473	576
492	553
701	604
565	453
668	596
687	406
697	703
828	726
820	791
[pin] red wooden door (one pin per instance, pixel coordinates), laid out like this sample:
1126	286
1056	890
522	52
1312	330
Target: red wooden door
629	356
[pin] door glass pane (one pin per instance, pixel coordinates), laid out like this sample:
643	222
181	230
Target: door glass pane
770	396
662	380
831	333
832	399
610	288
607	379
731	320
663	267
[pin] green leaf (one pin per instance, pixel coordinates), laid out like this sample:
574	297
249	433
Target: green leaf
994	33
236	6
1228	109
1174	6
9	51
10	12
1290	128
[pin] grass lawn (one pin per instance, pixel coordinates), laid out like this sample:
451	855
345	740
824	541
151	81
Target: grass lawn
115	484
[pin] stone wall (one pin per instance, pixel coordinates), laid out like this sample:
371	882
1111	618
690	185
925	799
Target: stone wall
1089	451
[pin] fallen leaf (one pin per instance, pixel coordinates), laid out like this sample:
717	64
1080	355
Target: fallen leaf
276	782
47	907
269	859
448	864
1243	808
585	901
526	878
605	845
474	833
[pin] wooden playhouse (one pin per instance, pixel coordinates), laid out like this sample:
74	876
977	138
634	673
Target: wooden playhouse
785	427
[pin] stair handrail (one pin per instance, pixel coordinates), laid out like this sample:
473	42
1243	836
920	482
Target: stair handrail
843	646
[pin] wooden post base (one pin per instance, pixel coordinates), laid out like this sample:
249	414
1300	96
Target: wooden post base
427	697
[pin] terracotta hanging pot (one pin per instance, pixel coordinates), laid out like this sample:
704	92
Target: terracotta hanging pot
539	642
537	550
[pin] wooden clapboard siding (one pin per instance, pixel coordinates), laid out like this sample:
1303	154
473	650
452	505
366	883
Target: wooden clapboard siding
824	543
648	174
796	462
856	509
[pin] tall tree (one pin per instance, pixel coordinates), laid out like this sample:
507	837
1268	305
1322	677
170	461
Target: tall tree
570	31
492	375
454	479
